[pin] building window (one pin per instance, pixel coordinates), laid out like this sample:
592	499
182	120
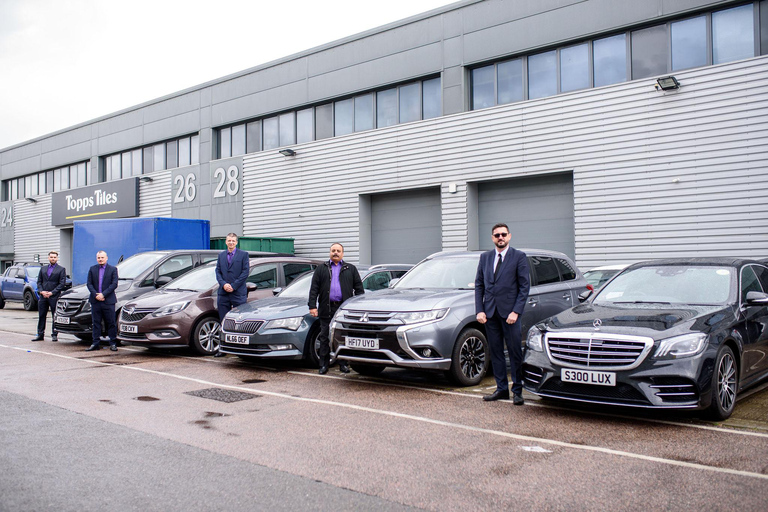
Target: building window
542	75
47	182
364	112
305	122
649	52
609	57
410	103
432	99
510	81
344	117
225	142
271	133
238	140
386	108
184	152
287	128
689	43
574	68
733	35
483	92
253	137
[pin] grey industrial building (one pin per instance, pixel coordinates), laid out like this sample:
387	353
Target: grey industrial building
611	130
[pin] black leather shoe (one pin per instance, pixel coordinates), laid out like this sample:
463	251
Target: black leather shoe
95	346
343	368
323	370
219	354
499	394
37	338
113	348
54	338
518	400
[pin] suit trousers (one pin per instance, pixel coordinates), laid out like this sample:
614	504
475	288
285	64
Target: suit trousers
500	333
101	310
225	303
324	350
43	305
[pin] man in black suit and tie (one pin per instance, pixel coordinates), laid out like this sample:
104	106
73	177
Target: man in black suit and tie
231	272
50	283
501	290
102	282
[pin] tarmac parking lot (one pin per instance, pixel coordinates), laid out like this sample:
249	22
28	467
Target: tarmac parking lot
405	439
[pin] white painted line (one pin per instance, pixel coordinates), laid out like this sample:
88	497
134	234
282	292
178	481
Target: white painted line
421	419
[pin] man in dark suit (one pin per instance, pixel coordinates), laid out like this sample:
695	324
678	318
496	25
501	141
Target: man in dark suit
102	282
231	272
50	283
332	283
501	290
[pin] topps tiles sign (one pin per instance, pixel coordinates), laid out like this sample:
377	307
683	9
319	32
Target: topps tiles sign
111	200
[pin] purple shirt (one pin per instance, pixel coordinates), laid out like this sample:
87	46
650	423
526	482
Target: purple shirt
50	269
101	276
230	255
335	295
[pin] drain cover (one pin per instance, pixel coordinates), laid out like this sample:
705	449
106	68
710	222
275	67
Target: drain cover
222	395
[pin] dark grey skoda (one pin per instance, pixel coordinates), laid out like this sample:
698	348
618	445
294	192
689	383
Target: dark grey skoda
679	334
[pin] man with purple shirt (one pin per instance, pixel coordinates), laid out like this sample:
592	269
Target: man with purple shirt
102	282
332	283
232	267
50	282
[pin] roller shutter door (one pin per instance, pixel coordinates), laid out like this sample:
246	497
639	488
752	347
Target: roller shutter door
538	211
405	226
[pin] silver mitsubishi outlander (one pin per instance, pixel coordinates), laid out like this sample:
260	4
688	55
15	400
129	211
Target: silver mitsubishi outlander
427	318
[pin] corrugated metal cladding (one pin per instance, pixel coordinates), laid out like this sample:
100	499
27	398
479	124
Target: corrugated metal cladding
656	174
155	196
32	230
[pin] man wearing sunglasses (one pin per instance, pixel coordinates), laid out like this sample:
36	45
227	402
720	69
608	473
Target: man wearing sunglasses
501	290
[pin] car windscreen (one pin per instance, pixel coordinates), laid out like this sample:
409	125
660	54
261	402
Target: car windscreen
32	272
132	267
299	287
597	277
451	272
670	284
197	280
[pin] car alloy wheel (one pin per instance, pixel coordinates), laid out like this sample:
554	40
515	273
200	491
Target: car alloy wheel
726	381
469	360
206	336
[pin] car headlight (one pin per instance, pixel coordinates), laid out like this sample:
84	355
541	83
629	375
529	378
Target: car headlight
86	306
534	340
415	317
681	346
170	309
291	324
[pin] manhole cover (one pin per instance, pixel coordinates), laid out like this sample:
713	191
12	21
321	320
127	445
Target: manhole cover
222	395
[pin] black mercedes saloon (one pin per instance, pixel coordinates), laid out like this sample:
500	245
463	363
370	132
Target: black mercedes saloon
677	334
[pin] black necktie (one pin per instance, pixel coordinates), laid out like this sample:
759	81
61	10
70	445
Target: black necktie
498	269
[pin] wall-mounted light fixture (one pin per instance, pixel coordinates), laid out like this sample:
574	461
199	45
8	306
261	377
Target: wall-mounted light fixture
287	152
146	179
31	200
667	83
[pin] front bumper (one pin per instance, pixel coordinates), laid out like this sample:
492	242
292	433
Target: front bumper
684	383
399	345
78	315
268	343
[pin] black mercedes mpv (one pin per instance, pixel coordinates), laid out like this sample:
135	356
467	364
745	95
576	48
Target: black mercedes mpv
678	334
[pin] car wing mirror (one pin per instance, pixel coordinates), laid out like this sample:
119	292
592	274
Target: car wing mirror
757	299
250	287
393	282
277	290
162	281
583	296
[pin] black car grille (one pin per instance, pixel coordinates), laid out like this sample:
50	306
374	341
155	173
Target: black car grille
387	341
68	307
133	336
135	315
674	389
246	327
621	393
597	350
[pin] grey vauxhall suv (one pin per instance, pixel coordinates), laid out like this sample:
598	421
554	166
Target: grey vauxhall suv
427	319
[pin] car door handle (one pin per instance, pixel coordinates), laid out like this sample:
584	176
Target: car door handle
533	302
567	296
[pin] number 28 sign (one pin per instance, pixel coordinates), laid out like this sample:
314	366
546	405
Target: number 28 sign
226	182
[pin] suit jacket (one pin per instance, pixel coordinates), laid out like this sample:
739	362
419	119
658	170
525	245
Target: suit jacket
108	284
320	290
54	284
235	274
509	292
